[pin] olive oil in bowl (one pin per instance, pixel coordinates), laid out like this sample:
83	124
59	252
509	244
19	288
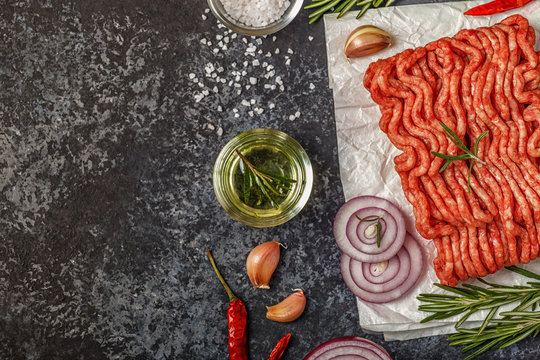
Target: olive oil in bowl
262	177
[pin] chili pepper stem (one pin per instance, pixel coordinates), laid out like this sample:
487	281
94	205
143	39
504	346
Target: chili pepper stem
232	297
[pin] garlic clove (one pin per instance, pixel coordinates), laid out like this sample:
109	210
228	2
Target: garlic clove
262	262
289	309
366	40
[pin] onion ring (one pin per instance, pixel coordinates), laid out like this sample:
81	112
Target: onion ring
349	347
409	260
350	232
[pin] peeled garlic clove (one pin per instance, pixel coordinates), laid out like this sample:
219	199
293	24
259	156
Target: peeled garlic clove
366	40
289	309
262	262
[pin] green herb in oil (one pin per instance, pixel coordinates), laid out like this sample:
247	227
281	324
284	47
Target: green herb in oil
378	227
265	184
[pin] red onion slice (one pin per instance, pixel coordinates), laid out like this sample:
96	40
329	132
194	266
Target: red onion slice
348	348
382	272
351	236
411	265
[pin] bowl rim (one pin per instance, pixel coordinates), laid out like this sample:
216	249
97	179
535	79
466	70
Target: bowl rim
219	12
235	208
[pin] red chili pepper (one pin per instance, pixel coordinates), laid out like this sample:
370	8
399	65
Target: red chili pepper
279	349
237	319
496	6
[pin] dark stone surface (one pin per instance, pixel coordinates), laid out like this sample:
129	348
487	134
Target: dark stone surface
106	203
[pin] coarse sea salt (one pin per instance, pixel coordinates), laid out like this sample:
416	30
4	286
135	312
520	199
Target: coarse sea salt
217	80
256	12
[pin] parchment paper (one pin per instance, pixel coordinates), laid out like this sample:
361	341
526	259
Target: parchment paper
366	155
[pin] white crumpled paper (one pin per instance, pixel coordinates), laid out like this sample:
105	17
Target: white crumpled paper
366	155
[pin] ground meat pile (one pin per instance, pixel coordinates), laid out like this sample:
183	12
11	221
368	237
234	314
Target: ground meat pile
480	79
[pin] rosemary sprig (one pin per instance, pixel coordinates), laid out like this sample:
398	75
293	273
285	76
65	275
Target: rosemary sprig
378	226
266	184
472	155
341	7
498	329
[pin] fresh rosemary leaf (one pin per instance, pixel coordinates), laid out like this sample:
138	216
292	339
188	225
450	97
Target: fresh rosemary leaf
459	291
366	220
378	227
523	272
520	337
480	137
346	8
448	162
316	4
488	318
451	157
468	154
378	234
363	10
527	302
492	344
343	5
498	329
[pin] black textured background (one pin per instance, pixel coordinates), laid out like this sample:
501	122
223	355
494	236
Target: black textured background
106	199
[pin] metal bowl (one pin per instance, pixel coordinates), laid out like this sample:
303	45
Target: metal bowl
219	12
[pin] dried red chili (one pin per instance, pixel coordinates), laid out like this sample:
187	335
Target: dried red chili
495	7
279	349
236	318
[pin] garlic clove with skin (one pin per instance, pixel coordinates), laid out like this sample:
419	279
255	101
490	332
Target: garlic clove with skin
366	40
262	262
289	309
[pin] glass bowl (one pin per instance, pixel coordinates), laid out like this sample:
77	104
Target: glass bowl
272	151
219	12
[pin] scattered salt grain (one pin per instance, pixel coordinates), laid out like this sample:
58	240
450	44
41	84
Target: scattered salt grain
203	17
290	51
311	86
310	38
206	11
253	81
